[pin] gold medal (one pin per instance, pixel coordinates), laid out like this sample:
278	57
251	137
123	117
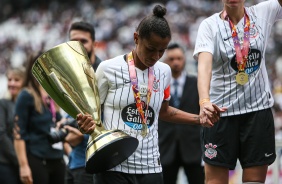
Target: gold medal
242	78
144	130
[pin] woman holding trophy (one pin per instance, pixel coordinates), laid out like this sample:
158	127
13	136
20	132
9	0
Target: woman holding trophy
134	93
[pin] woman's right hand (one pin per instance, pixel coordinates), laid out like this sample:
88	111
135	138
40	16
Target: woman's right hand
210	114
86	124
26	175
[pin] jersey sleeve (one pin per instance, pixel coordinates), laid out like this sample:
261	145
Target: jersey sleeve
167	84
167	94
270	10
204	40
102	82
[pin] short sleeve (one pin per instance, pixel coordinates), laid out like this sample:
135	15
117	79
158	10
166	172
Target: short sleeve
102	81
204	40
167	94
270	10
167	82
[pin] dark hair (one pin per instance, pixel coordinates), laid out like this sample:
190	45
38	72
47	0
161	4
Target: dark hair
175	46
83	26
155	23
30	80
31	84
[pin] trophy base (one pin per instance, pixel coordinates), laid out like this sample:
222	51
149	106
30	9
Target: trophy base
108	150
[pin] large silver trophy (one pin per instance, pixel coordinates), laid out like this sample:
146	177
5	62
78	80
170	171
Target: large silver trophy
67	76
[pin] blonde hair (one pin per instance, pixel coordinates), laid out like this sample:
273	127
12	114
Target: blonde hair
38	102
31	84
18	71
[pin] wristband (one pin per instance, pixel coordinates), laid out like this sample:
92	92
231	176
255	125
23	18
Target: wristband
204	100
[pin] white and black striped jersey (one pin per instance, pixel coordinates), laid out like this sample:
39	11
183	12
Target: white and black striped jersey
214	36
120	112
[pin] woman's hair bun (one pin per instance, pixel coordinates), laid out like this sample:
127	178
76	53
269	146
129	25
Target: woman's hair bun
159	11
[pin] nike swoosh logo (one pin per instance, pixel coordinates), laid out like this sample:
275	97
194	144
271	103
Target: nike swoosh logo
225	39
126	81
268	155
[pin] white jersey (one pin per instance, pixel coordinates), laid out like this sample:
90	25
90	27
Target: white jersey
214	36
120	110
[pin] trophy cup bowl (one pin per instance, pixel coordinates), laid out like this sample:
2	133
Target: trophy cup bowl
66	74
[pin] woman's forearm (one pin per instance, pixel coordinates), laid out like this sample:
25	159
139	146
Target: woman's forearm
20	149
174	115
204	75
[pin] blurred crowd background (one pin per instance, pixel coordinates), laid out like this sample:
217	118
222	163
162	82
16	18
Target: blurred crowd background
29	25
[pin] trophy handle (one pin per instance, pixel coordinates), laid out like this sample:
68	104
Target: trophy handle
55	79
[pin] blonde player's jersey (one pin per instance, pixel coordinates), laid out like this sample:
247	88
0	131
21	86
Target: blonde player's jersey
120	112
214	36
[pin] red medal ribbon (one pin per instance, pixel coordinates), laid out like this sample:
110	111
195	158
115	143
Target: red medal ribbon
241	55
134	83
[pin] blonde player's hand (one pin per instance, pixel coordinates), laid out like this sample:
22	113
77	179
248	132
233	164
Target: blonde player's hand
213	112
210	114
86	124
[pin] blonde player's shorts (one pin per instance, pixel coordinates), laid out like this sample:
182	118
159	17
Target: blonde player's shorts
248	137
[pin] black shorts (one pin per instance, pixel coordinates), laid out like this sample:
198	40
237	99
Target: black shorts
249	137
113	177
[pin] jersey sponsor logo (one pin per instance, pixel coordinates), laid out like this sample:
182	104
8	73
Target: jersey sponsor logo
253	63
210	151
131	116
